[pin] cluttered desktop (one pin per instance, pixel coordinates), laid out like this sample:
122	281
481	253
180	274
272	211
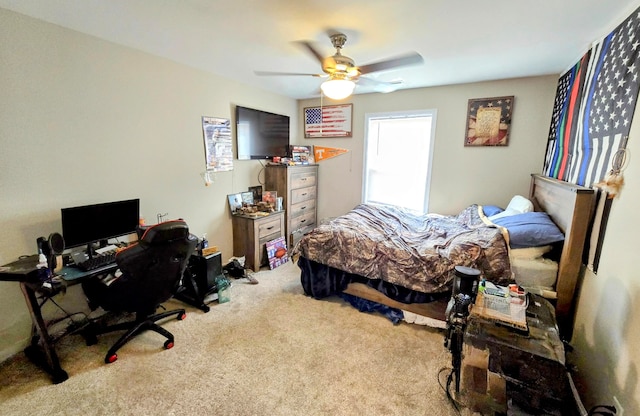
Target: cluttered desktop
87	247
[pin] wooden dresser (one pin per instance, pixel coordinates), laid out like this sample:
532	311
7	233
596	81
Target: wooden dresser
298	186
250	234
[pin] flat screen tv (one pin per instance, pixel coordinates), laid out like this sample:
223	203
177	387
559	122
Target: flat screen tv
260	134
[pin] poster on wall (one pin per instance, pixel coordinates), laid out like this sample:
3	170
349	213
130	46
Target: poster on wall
328	121
217	143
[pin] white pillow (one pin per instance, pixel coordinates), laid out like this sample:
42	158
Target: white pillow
517	205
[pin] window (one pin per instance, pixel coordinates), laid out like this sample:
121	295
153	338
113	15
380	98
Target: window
397	165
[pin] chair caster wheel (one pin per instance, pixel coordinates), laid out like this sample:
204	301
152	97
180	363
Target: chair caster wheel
168	344
90	340
60	376
110	358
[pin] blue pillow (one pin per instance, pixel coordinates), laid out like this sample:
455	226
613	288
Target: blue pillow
530	229
490	210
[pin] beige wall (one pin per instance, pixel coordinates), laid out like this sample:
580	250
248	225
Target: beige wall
83	121
607	328
460	175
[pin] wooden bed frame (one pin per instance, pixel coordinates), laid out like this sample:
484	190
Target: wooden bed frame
570	207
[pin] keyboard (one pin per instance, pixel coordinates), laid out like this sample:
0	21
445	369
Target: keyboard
97	262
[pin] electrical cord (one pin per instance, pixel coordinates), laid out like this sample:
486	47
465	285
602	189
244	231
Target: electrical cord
446	388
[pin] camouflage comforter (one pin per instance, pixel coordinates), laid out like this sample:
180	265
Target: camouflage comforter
414	251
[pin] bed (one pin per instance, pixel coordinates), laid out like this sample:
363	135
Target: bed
406	263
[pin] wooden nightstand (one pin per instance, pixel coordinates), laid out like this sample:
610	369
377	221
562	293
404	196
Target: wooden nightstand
250	234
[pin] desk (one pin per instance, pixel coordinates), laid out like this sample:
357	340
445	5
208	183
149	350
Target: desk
42	348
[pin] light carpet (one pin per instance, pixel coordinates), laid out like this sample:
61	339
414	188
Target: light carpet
271	350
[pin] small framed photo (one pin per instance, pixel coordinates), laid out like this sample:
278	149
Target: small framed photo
235	202
301	155
270	197
247	198
257	193
488	121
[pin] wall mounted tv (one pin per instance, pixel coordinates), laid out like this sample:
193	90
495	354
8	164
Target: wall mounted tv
260	134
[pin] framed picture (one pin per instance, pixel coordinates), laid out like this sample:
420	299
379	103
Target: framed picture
217	143
235	202
270	197
488	121
301	155
257	192
247	197
277	252
328	121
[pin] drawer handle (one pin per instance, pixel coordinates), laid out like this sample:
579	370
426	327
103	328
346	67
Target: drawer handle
301	208
304	194
303	221
268	228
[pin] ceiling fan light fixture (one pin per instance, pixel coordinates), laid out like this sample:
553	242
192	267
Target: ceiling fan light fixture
338	89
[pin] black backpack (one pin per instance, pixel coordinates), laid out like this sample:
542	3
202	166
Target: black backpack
234	269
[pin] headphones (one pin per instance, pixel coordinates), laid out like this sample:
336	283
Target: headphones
51	247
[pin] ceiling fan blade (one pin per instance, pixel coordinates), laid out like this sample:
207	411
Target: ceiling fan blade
381	86
311	49
269	73
412	58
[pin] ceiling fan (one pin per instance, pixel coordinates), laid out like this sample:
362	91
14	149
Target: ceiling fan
343	73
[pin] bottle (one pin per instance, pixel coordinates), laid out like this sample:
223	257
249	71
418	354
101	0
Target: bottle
44	273
204	243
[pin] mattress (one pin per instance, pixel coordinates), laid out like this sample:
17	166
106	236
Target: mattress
535	273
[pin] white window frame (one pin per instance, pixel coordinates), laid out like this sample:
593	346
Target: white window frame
401	114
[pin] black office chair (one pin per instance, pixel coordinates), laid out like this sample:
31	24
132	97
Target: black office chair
151	272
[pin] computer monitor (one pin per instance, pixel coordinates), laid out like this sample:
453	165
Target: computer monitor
89	224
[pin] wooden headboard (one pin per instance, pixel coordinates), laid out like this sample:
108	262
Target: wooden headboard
570	206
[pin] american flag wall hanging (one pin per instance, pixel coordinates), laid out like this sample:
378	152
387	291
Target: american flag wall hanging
594	106
328	121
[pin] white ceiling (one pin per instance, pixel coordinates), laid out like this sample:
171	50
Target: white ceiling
460	40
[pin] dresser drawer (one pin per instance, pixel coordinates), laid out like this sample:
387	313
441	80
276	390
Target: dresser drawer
268	227
302	208
305	220
303	194
303	179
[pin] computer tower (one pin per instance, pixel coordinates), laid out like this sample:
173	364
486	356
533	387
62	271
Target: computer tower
199	279
205	270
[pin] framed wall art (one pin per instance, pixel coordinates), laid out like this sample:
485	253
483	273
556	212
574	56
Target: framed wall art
328	121
488	121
